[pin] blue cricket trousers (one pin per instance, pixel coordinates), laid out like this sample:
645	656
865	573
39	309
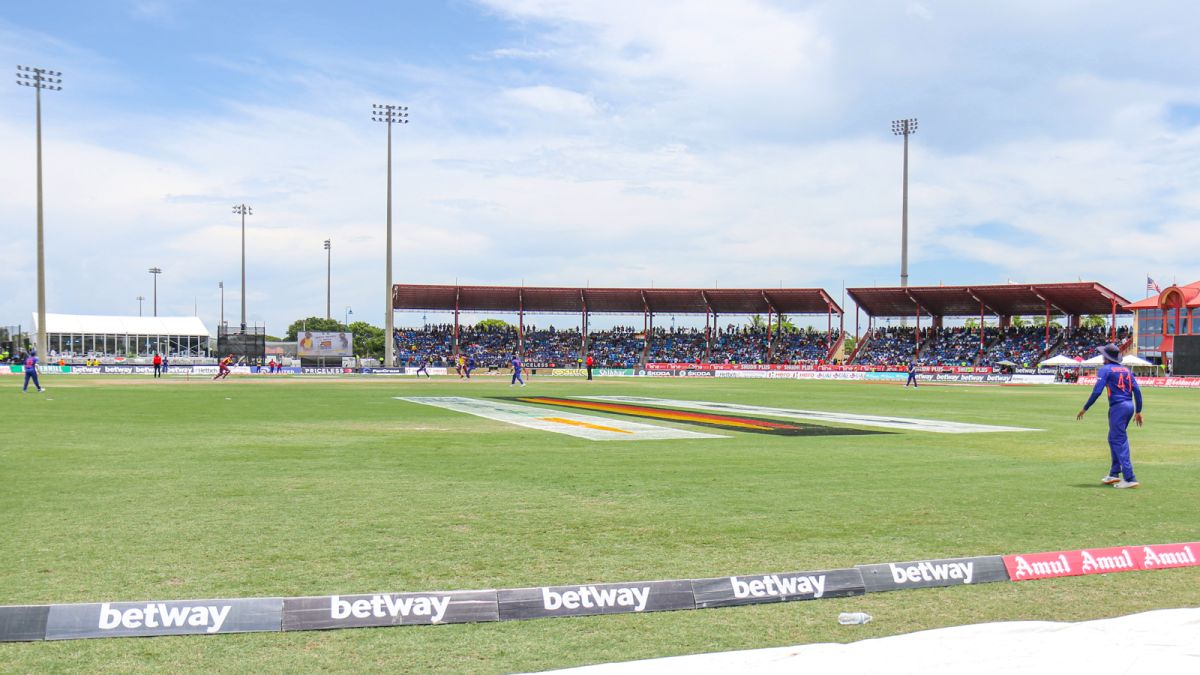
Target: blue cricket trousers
1119	415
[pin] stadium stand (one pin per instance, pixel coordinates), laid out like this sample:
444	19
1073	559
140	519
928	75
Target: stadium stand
1024	346
892	345
1084	343
953	346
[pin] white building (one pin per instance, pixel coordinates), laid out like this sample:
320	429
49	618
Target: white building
125	335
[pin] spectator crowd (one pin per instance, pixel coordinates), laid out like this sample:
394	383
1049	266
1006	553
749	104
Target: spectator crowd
619	347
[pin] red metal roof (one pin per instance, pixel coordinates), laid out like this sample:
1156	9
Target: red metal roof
1002	299
1188	296
540	300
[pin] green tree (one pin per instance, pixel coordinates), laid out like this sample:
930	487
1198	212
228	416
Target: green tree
1040	322
314	323
368	340
849	344
1094	321
493	324
971	323
785	324
1018	322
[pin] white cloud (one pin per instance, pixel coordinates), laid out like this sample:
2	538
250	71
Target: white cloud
552	100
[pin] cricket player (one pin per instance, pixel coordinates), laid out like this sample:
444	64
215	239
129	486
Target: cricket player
912	374
31	371
1124	403
470	365
223	368
516	366
424	366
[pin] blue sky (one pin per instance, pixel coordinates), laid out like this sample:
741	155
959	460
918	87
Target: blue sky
618	143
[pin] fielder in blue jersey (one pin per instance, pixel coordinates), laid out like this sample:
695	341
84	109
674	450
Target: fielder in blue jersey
516	366
912	375
1124	403
31	371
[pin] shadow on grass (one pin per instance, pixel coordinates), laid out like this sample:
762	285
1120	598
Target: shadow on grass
1092	485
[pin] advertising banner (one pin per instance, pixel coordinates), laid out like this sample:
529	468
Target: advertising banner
19	369
1020	378
388	609
775	367
933	573
1100	560
783	587
312	344
965	377
23	623
172	617
1185	382
583	600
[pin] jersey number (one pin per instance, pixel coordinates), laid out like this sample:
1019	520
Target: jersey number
1123	382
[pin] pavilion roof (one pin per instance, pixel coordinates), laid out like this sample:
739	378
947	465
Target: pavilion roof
1079	298
538	300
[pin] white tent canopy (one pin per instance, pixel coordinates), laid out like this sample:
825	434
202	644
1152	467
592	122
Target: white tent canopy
82	324
1059	360
1127	360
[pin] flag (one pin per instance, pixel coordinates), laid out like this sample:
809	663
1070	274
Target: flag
1152	287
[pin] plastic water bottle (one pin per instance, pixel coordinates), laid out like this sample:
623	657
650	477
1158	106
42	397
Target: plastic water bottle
853	618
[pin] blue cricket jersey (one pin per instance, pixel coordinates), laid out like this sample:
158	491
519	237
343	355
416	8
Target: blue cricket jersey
1120	383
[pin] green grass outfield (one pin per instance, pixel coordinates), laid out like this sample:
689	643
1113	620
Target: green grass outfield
134	489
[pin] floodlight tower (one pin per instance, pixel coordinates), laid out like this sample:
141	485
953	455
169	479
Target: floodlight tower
905	128
328	278
50	80
155	271
140	298
390	114
243	211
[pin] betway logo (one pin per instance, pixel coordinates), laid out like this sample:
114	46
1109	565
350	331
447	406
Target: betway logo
1057	566
1106	563
1152	558
775	586
927	571
158	614
590	596
381	606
